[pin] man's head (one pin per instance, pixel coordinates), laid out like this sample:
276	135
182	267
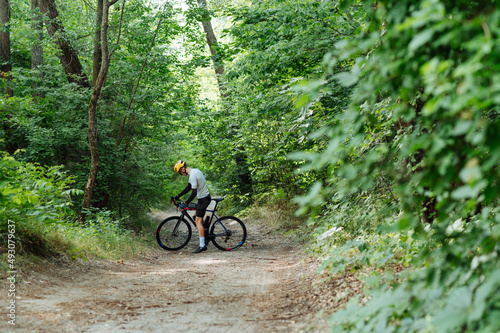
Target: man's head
181	168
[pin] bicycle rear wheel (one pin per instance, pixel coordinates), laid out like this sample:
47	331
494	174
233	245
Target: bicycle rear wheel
173	233
229	233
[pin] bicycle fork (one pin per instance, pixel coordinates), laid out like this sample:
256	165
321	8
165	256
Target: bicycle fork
175	232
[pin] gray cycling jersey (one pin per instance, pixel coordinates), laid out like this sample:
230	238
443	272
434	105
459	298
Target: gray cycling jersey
198	182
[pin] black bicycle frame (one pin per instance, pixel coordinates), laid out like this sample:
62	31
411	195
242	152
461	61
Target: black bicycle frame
185	213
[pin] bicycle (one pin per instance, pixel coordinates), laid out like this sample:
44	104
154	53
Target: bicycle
227	233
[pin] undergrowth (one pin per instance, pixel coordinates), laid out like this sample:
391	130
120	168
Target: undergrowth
37	219
275	213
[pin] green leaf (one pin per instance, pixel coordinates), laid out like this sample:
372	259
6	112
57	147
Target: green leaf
420	39
484	291
302	101
363	247
403	223
453	315
347	79
467	192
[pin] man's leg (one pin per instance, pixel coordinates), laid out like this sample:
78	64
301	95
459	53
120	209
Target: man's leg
199	226
201	233
200	213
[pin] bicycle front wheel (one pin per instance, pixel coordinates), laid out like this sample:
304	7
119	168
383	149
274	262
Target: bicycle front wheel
229	233
173	233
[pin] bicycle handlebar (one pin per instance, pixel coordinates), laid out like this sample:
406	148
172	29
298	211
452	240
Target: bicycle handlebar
177	202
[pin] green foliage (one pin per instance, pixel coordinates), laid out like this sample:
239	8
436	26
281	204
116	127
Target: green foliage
445	296
147	84
34	197
33	191
38	200
275	39
275	212
50	131
247	137
424	114
102	236
366	250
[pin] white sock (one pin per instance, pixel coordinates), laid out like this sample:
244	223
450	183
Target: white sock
202	241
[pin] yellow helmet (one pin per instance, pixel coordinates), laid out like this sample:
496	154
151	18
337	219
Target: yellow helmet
178	166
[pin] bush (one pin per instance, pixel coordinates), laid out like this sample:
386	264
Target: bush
31	191
424	112
38	201
33	197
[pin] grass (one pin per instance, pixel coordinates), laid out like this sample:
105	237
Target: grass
99	239
102	243
278	216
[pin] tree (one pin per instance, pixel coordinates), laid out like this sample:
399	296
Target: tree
128	119
147	83
212	44
239	154
97	58
36	49
68	56
96	93
5	64
273	50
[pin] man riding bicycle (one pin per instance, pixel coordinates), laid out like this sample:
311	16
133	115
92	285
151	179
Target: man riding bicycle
198	187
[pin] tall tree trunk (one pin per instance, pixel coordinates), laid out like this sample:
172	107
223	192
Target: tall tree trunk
36	48
240	156
5	64
68	57
96	93
212	45
97	59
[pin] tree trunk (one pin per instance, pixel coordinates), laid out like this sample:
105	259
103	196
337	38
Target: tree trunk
68	57
212	44
36	48
428	204
5	64
240	157
92	129
97	59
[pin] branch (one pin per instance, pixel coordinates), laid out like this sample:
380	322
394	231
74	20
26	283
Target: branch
388	187
348	18
68	56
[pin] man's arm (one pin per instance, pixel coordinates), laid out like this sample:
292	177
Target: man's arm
184	191
192	196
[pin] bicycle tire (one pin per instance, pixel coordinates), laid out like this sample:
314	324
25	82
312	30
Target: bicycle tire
229	233
170	240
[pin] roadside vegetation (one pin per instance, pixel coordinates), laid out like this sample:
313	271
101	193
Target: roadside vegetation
368	129
38	201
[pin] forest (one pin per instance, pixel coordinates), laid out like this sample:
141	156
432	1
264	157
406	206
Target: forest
371	130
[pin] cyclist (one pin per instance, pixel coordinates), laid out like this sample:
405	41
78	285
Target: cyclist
198	187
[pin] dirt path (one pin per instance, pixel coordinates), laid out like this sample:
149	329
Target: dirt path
265	286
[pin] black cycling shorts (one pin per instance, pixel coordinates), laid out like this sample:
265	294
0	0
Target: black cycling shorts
201	206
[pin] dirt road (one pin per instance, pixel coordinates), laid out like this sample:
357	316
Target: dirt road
265	286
